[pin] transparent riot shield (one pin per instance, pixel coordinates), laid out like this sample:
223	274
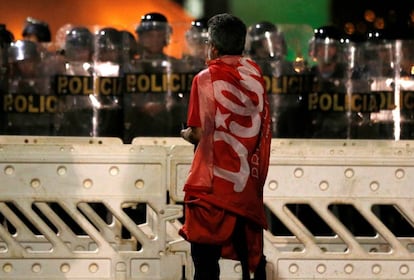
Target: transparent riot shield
156	97
195	45
157	85
28	106
90	87
379	62
405	82
330	115
360	102
6	37
287	81
3	84
4	72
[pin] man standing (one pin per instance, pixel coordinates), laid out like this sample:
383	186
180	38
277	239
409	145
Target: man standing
229	122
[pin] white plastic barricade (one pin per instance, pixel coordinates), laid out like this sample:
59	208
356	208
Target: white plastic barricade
84	209
336	209
94	208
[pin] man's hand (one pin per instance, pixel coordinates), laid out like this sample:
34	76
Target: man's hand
191	134
186	134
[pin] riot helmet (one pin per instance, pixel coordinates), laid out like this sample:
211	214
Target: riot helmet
153	21
198	32
379	53
24	59
79	44
196	38
325	46
265	41
23	50
108	44
403	51
36	30
153	33
6	37
407	53
129	44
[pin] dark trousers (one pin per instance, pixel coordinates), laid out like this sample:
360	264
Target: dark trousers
206	257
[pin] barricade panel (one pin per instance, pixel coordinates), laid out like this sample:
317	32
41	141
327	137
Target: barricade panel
92	208
332	204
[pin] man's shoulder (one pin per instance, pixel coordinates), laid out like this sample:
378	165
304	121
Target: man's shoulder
205	73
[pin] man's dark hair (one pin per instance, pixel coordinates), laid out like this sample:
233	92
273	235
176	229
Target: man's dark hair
227	34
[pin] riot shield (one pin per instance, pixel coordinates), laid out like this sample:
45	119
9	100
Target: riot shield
195	45
405	82
360	101
156	98
6	37
287	82
90	88
28	106
157	85
330	115
387	63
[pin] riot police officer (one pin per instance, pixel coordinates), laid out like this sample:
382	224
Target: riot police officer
108	43
327	102
389	63
108	58
29	106
196	38
151	103
78	48
6	37
407	82
327	52
90	88
39	32
5	34
129	47
379	70
266	45
36	31
73	117
154	32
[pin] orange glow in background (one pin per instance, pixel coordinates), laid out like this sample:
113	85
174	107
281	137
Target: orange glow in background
122	14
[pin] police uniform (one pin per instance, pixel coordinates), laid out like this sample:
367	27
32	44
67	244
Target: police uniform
6	37
266	45
407	84
196	39
90	89
29	105
389	63
153	94
327	101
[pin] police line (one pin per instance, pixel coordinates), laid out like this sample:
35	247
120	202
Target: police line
163	82
140	83
359	102
131	83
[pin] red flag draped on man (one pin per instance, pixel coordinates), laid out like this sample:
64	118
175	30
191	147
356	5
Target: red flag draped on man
229	103
229	122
